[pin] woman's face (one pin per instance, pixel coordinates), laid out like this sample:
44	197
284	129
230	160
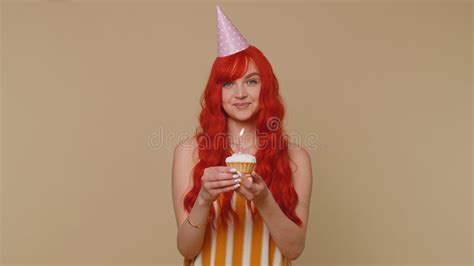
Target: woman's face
240	97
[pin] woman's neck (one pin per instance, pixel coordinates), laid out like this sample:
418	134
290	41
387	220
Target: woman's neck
248	138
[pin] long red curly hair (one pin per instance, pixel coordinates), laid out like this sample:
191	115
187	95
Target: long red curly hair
273	162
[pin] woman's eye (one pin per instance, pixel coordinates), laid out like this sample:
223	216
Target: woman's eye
227	84
253	81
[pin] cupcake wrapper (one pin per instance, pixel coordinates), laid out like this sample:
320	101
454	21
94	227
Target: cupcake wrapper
244	168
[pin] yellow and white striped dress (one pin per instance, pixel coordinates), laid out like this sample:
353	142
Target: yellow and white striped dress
247	244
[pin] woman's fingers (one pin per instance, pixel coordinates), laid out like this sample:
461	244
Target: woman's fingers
228	188
245	192
221	172
218	179
218	176
218	169
224	183
222	176
256	177
247	181
250	189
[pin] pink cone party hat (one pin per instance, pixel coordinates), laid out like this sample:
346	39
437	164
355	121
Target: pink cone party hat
229	39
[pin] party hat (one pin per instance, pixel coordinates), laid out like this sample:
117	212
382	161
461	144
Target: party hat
229	39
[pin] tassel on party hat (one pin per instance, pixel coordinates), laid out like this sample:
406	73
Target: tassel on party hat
229	39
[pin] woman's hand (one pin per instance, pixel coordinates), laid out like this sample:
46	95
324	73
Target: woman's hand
253	187
216	180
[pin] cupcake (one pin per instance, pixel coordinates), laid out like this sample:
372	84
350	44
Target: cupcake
244	163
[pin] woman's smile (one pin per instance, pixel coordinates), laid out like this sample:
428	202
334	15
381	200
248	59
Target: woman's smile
241	106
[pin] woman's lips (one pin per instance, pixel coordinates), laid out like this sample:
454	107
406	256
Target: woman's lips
241	105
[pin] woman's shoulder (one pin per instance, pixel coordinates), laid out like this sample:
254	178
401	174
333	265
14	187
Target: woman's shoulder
298	155
297	151
188	147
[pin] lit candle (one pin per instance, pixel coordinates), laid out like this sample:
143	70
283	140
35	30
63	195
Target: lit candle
240	140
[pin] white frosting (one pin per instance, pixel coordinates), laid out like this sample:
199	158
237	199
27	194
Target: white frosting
241	157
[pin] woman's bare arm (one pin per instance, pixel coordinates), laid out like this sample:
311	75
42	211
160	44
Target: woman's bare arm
215	180
288	236
189	239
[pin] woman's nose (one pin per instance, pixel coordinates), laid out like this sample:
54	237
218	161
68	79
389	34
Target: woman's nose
241	91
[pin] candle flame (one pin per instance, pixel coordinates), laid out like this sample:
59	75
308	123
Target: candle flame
241	132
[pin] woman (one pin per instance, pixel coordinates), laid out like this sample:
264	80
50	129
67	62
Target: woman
224	217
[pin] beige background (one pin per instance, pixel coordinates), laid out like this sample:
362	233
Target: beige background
95	94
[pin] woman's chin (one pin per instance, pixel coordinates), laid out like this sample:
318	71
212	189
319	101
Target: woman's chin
242	117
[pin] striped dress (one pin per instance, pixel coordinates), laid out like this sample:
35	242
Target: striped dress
247	244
